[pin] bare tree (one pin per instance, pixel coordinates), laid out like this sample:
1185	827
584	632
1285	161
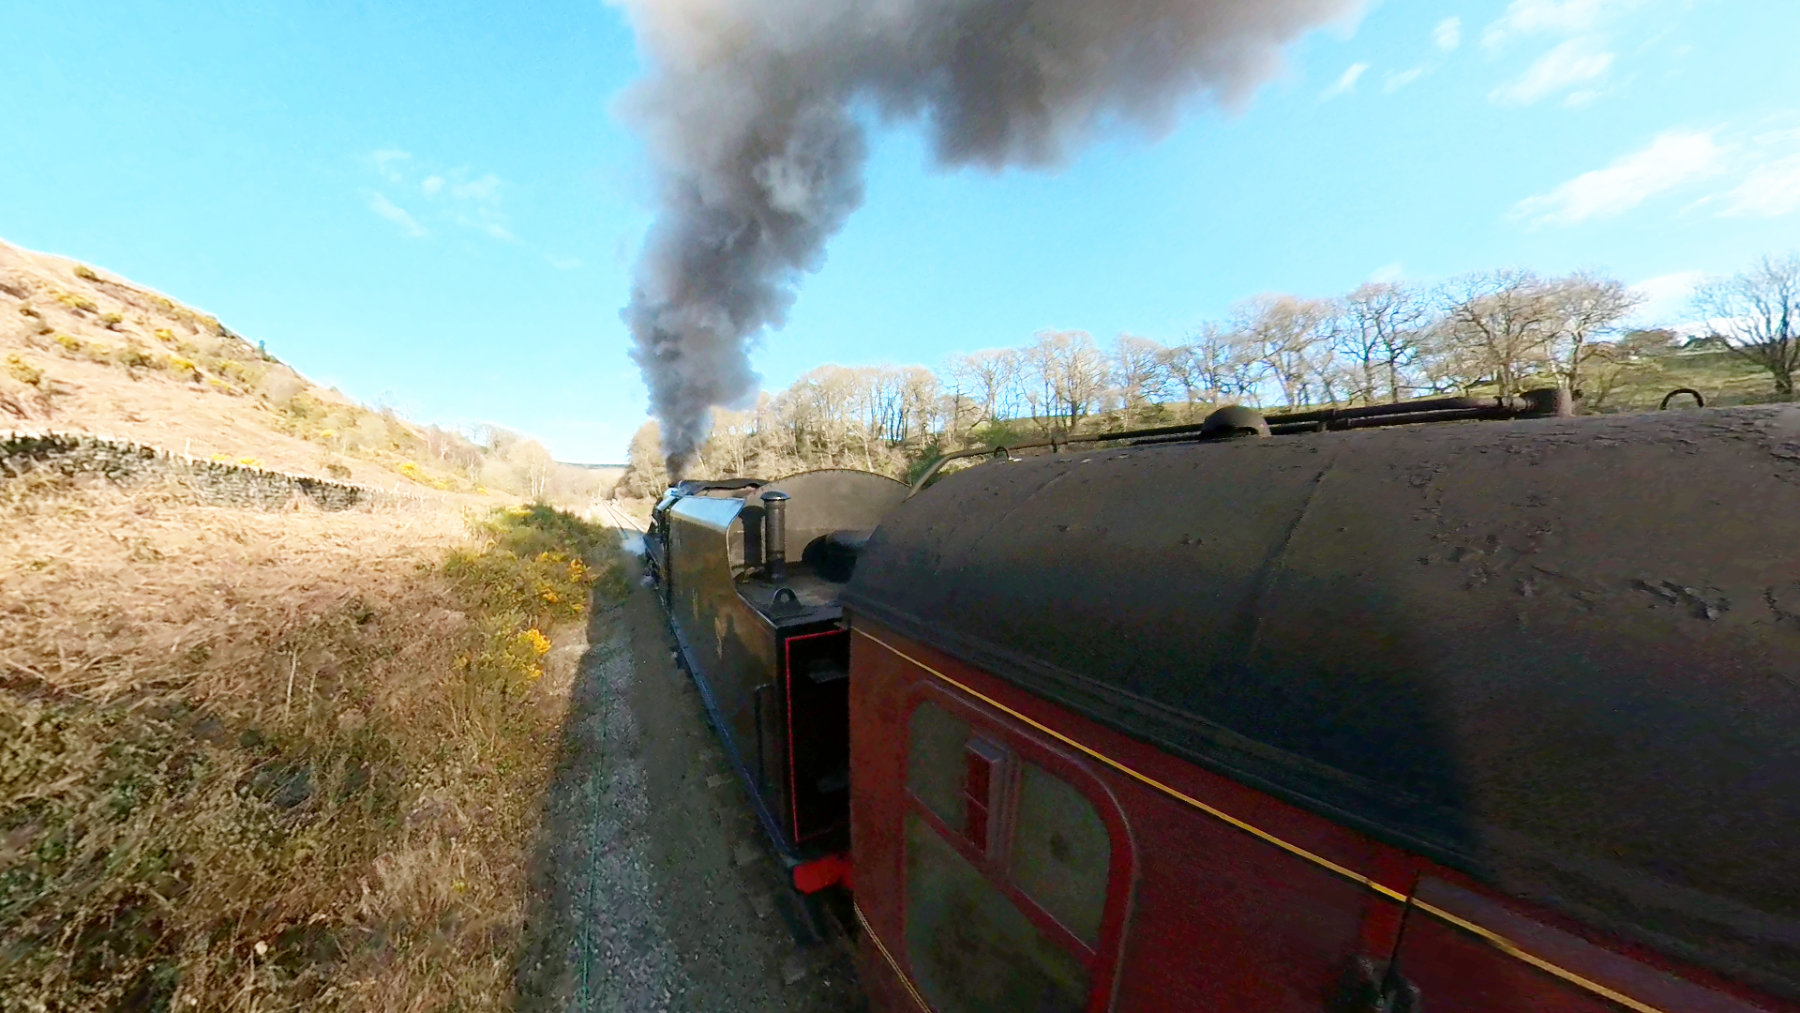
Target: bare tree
1585	307
1067	377
1289	337
1756	313
1497	328
1381	334
1140	377
991	378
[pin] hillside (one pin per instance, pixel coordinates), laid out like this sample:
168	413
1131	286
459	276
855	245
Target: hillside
266	752
85	351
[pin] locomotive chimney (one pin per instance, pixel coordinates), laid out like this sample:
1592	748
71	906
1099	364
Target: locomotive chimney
775	534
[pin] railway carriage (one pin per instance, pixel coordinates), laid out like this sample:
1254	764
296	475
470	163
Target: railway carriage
1452	717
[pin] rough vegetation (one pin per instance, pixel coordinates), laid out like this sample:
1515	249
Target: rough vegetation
274	760
1503	331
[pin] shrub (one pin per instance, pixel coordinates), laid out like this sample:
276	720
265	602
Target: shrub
336	470
23	371
68	343
112	320
166	336
78	303
237	372
28	311
249	462
184	367
133	357
538	570
85	273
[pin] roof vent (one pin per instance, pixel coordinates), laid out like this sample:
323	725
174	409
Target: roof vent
1233	421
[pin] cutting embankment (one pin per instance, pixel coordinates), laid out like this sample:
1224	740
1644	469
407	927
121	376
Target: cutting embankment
256	759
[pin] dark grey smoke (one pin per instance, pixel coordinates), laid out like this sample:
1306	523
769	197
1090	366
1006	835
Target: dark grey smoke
750	116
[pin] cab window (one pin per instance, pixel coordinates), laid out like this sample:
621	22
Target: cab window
1000	851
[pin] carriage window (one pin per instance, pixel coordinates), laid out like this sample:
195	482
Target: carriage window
971	949
1061	854
935	763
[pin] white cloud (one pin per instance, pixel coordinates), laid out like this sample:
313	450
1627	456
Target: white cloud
379	204
1346	82
1667	298
1396	81
452	197
1570	63
483	189
1557	17
1388	273
488	227
1673	159
387	163
1448	34
1771	189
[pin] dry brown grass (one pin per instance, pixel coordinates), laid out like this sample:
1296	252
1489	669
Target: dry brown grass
267	761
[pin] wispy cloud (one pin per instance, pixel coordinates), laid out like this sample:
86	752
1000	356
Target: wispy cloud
1770	190
562	263
1556	17
388	162
1673	159
1562	70
387	209
1448	34
450	197
1346	81
1394	81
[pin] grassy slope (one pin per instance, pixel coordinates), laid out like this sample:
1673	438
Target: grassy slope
82	350
255	761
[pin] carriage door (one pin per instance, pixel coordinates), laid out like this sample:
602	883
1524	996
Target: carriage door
1016	869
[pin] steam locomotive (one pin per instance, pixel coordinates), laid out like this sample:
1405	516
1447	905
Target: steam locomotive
1328	711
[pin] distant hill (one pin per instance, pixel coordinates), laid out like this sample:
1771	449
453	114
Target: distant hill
83	350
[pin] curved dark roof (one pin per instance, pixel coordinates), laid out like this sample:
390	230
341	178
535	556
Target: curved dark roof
1562	654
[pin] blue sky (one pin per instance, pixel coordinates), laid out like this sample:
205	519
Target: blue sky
439	209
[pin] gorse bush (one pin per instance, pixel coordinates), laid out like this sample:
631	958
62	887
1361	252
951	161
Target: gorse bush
537	570
78	303
85	273
133	357
22	371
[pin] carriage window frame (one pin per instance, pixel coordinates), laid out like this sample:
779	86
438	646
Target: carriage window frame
1098	956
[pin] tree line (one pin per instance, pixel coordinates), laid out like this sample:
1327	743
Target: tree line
1493	332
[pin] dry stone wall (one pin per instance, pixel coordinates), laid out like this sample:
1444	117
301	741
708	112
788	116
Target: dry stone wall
124	462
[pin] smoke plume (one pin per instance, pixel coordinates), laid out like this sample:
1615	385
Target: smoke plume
751	115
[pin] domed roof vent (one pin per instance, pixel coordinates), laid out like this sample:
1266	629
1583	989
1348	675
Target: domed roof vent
1233	421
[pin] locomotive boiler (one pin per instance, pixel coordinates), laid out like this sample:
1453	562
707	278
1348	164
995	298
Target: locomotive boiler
1483	716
